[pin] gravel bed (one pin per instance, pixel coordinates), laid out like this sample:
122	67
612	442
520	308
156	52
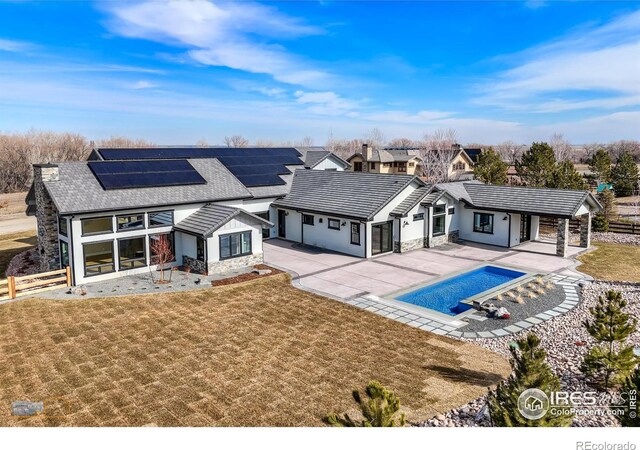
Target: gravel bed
518	311
558	337
609	238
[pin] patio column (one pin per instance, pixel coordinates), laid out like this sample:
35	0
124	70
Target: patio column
562	244
585	230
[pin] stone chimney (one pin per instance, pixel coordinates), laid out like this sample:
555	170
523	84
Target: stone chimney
46	216
367	152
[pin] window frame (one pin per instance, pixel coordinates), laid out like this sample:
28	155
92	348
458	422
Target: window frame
200	239
84	259
95	233
439	215
305	222
418	216
172	242
329	220
141	227
372	166
357	166
132	260
66	226
451	211
266	232
491	221
351	233
173	218
60	244
241	254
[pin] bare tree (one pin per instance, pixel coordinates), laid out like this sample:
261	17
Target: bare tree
202	143
436	150
441	139
561	147
123	142
236	141
401	143
306	141
617	148
161	254
509	151
375	138
264	143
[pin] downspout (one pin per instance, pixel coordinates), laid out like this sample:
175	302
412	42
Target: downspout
301	228
428	224
366	244
399	234
71	261
509	233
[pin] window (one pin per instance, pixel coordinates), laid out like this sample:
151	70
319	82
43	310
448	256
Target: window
160	219
355	233
459	166
357	166
412	164
98	258
132	222
155	246
62	226
307	219
234	245
132	253
372	166
266	232
64	254
334	224
386	164
200	249
439	219
452	211
98	225
419	216
483	223
402	167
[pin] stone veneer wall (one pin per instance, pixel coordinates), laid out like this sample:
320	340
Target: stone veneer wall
412	244
453	236
195	264
47	218
228	265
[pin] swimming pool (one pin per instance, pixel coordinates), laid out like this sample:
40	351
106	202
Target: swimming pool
445	296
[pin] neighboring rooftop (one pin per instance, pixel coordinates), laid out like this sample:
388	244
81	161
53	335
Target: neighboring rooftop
313	156
386	156
343	194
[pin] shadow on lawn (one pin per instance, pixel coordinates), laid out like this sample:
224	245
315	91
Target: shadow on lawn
459	374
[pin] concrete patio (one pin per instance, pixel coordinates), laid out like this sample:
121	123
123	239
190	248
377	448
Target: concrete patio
346	277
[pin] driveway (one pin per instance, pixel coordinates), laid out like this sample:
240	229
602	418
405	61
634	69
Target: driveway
349	277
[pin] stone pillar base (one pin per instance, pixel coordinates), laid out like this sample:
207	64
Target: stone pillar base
562	244
585	230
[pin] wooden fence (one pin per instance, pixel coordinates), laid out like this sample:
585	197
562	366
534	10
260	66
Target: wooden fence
574	225
14	287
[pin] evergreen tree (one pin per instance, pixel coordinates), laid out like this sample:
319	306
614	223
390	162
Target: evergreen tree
490	168
607	200
379	409
530	370
536	165
600	223
565	176
631	386
600	165
610	360
625	176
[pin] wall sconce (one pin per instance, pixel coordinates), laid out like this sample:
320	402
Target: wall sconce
344	223
286	213
405	223
505	217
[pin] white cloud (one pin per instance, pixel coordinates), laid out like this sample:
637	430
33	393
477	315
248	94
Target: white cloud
593	67
326	102
8	45
420	117
142	84
223	34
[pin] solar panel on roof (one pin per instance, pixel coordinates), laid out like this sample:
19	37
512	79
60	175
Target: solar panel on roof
260	180
138	174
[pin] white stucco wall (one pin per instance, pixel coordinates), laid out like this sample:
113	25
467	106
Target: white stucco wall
500	234
237	225
329	163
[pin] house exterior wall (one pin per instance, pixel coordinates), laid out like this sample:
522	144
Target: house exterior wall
329	163
412	232
451	233
500	235
239	224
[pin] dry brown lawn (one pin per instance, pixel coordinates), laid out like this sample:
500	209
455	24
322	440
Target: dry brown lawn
612	262
11	245
261	353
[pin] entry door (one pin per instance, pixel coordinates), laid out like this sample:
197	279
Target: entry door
382	238
282	224
525	228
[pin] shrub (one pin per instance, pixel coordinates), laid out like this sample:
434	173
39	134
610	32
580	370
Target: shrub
378	409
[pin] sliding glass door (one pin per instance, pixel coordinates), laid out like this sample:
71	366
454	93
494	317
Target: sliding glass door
382	237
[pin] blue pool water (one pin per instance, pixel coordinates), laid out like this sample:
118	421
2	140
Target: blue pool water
446	295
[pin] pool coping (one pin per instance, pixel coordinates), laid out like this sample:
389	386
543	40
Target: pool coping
484	295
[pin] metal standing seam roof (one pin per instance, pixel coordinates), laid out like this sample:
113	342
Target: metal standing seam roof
411	201
540	201
78	190
211	217
345	194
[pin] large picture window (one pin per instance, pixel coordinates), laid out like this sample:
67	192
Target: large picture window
160	219
156	244
130	222
97	225
132	253
483	223
98	258
234	245
439	219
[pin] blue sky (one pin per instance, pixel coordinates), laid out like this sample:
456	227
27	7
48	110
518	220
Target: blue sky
179	72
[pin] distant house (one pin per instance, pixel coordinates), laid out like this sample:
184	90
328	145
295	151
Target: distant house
394	161
317	158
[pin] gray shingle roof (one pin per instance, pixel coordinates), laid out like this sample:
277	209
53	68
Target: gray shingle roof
433	197
346	194
386	156
78	190
456	189
411	201
542	201
210	217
